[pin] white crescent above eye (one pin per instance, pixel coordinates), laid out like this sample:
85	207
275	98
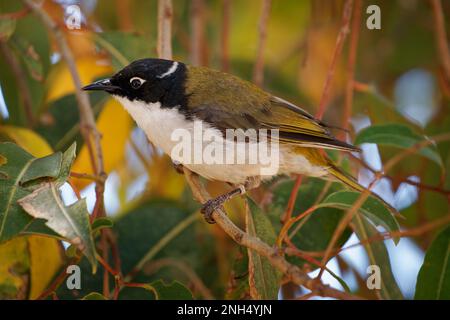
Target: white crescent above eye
141	82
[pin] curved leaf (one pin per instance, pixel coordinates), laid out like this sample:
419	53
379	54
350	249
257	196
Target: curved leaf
433	281
372	208
264	279
70	222
400	136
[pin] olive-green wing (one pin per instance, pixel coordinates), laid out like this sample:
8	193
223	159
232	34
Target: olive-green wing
228	102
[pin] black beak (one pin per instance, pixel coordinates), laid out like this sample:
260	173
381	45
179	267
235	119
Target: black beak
103	85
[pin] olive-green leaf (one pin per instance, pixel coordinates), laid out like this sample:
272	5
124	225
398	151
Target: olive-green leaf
372	208
19	175
101	223
379	256
433	281
94	296
160	291
400	136
172	291
70	222
264	279
7	27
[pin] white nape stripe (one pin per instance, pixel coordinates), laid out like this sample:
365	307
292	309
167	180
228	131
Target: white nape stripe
171	70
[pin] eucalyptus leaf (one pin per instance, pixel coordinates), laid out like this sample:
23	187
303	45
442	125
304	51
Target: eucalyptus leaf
378	256
70	222
20	168
264	279
433	281
372	208
94	296
100	223
7	27
400	136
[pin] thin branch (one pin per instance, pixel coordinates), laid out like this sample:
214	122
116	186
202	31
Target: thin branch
124	18
20	78
225	35
292	199
356	22
198	29
273	255
15	15
441	36
258	71
87	120
346	17
165	14
343	224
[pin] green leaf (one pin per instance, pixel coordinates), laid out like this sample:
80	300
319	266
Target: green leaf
20	167
138	231
48	166
379	256
238	287
7	27
94	296
101	223
66	163
70	222
314	232
400	136
433	281
264	279
372	208
172	291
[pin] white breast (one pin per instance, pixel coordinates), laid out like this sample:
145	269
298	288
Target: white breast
159	124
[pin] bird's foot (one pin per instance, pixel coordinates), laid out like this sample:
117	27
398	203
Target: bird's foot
210	206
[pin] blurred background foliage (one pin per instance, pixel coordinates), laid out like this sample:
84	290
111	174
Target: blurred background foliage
155	220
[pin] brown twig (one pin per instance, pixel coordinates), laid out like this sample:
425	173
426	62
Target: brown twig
356	22
124	18
15	15
343	223
292	199
441	36
225	35
165	14
258	71
346	17
20	78
419	185
273	255
58	280
87	120
198	30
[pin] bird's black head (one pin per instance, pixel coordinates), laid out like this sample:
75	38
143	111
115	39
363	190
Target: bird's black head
148	80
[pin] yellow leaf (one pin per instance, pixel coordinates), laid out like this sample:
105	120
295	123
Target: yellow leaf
14	267
28	140
164	181
60	81
45	260
115	125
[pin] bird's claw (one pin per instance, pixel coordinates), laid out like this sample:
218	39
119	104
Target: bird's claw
209	207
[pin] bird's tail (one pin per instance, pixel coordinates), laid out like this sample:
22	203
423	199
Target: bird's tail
351	182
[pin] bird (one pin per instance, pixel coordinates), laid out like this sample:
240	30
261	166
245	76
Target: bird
166	97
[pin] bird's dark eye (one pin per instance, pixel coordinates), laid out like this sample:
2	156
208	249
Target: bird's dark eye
136	82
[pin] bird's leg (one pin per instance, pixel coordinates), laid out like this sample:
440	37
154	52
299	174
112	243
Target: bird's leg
177	166
211	205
